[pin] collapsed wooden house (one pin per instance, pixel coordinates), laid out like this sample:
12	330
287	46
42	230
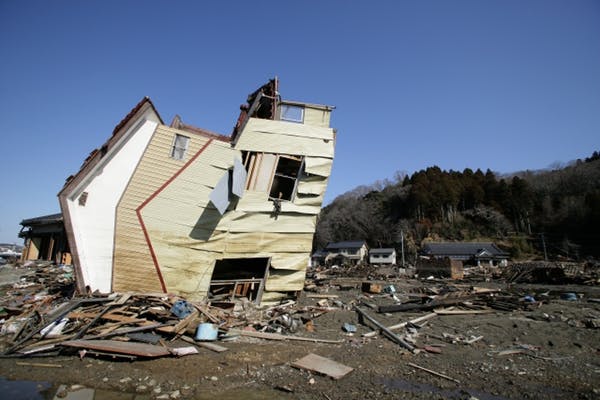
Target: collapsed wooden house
182	210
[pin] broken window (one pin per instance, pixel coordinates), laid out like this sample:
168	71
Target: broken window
180	145
285	178
292	113
239	277
274	174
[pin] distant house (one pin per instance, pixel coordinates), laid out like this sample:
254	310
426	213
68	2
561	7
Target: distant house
318	258
467	252
354	252
45	239
382	256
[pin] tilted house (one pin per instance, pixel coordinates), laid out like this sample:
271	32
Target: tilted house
181	210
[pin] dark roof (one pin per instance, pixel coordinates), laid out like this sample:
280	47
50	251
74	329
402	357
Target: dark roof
356	244
177	123
461	249
133	111
382	251
45	219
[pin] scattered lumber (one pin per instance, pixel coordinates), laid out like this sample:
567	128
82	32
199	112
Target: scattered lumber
277	336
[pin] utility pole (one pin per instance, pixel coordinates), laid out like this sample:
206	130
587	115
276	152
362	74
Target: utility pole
544	247
402	246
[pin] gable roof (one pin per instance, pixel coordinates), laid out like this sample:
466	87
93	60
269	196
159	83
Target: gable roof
96	155
462	249
383	250
356	244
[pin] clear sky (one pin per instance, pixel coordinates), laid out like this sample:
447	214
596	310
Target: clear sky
507	85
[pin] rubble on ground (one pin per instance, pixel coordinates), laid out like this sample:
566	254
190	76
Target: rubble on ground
41	317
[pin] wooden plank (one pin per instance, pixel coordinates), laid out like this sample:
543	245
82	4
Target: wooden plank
403	324
276	336
114	346
123	331
433	372
463	312
322	365
211	346
322	296
386	331
110	317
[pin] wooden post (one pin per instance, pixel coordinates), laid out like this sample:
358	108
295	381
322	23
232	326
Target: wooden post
386	331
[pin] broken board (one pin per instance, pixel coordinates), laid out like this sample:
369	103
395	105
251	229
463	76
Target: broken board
322	365
114	346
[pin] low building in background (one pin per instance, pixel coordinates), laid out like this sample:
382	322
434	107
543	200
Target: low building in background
382	256
351	252
45	239
467	252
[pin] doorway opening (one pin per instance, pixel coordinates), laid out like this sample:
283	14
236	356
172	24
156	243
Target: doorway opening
238	278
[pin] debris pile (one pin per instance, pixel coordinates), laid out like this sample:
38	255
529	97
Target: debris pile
553	273
42	318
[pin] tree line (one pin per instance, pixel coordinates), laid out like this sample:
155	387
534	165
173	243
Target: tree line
527	213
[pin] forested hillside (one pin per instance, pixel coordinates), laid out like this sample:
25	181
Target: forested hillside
556	210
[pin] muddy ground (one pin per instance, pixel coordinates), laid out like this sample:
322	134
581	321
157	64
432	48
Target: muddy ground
559	359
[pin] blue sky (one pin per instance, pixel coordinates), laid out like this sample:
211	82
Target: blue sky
507	85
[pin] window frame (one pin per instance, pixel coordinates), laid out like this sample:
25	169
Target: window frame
285	117
275	173
175	148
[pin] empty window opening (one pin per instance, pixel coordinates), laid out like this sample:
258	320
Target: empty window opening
180	145
285	179
239	278
274	174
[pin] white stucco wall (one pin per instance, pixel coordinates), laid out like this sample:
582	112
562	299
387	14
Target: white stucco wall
94	223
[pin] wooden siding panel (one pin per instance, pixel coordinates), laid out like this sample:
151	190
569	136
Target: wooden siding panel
181	223
285	280
133	266
293	145
318	165
317	117
281	137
